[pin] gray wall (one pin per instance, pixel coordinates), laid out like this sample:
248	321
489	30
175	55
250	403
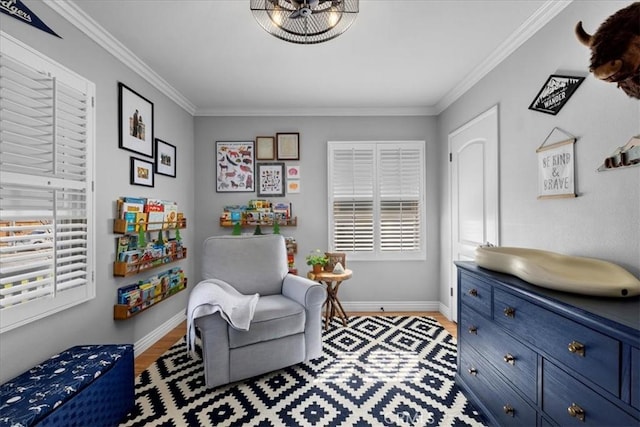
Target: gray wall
414	281
604	220
93	322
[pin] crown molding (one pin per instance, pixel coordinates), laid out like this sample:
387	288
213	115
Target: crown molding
539	19
76	16
316	112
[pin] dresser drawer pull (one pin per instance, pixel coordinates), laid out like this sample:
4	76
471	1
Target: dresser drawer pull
576	348
576	412
473	330
508	409
510	312
473	292
473	371
509	358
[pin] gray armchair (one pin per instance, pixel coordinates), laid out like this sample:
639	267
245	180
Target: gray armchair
286	328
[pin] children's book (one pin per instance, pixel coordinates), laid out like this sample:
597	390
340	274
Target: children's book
155	214
170	214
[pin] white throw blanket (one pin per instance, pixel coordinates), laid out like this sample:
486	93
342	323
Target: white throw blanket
212	296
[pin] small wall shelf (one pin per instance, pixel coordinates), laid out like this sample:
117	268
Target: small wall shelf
120	226
292	222
124	269
124	312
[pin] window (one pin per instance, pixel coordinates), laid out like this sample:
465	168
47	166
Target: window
376	199
46	178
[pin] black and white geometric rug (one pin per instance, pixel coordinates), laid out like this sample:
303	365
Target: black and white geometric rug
377	371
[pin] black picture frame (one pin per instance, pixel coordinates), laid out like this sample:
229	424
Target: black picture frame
135	121
165	158
141	172
270	179
288	145
555	92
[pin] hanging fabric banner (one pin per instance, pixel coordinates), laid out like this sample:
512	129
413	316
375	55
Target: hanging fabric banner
18	10
556	168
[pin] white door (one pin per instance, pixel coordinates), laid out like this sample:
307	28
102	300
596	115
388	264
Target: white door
474	191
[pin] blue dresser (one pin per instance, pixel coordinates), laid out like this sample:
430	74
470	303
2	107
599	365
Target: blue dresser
530	356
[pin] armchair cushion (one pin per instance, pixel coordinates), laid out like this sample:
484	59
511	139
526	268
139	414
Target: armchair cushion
248	263
276	316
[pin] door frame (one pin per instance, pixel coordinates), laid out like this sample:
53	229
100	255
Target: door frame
452	285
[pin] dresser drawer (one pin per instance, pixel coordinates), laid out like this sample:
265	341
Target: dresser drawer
514	360
561	338
506	406
475	293
564	398
635	377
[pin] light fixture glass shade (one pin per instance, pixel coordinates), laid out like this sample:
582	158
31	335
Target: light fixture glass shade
305	22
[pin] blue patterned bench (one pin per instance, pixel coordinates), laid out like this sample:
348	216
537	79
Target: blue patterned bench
89	385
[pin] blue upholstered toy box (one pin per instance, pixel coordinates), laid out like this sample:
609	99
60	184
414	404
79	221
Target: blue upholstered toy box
91	385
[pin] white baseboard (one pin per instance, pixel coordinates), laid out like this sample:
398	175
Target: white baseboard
150	339
444	310
391	305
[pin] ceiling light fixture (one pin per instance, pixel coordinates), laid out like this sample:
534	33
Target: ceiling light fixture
305	21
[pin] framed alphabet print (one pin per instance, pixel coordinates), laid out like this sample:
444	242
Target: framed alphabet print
288	145
265	148
234	166
135	118
141	172
165	158
271	181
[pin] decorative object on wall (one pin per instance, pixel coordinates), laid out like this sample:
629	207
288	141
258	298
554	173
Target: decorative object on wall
556	167
135	118
305	21
293	172
293	179
625	156
288	146
265	148
615	56
141	172
165	158
555	93
271	179
293	186
18	10
234	166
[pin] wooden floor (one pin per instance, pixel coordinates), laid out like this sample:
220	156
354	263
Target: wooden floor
147	358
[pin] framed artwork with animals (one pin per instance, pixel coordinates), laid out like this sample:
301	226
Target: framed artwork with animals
235	166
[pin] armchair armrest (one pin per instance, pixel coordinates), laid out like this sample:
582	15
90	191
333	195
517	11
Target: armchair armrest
304	291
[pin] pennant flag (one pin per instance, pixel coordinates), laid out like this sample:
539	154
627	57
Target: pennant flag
18	10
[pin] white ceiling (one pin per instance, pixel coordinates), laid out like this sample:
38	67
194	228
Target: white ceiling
399	57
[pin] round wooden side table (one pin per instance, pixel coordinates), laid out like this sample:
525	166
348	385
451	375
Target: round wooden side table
332	305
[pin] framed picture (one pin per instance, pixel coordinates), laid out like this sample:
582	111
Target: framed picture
293	186
165	158
288	146
271	179
135	119
141	172
234	166
555	93
265	148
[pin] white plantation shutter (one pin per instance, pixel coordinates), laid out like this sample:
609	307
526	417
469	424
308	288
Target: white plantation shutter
351	188
376	199
400	188
46	197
